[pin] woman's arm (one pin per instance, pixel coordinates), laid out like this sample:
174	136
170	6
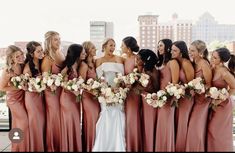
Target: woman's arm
188	70
83	70
230	80
207	72
46	65
4	82
175	71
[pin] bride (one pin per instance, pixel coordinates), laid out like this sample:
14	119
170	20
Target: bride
110	127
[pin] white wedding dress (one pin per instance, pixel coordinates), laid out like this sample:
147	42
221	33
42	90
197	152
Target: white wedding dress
110	127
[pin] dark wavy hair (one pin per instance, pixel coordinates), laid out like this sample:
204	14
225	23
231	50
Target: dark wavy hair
225	56
73	54
183	48
131	43
167	55
149	59
31	47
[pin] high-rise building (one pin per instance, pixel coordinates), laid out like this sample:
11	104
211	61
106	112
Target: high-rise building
148	31
208	30
176	30
99	31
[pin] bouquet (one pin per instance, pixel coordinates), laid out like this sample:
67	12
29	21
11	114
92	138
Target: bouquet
36	84
113	96
175	92
217	96
52	80
195	86
20	81
74	85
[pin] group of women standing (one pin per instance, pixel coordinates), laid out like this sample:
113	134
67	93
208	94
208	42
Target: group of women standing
56	122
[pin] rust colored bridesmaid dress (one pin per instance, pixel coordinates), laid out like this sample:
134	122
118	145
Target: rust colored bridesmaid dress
53	125
220	124
71	138
196	136
182	114
133	119
16	103
91	110
165	134
34	104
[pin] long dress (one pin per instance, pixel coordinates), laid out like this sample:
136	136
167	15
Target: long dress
34	104
165	134
196	136
53	126
16	103
149	119
110	127
91	110
182	114
133	116
70	120
220	124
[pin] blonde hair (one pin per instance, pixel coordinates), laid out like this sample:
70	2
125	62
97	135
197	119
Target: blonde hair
47	43
11	50
87	45
106	41
201	47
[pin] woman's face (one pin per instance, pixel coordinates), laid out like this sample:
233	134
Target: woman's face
215	59
18	57
161	48
193	52
83	55
175	52
124	48
55	42
92	50
110	47
139	61
38	53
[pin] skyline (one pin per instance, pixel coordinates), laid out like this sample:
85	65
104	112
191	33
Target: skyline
71	18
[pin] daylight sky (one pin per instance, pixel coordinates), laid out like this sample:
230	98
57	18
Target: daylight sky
25	20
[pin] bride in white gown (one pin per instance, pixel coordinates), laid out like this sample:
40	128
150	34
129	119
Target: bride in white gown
110	127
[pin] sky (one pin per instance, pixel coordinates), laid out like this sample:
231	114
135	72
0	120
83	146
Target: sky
26	20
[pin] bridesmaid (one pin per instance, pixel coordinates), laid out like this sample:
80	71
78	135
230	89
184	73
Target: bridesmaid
146	61
33	100
220	127
70	108
196	136
133	100
15	97
91	107
165	134
52	62
179	51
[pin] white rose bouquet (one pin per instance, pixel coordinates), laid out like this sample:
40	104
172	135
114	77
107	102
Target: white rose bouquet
217	96
20	81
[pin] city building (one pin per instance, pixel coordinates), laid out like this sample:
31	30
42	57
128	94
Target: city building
176	30
209	30
148	31
99	31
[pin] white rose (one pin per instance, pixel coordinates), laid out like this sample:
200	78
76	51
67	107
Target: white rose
69	87
18	79
101	99
57	82
50	82
149	101
37	80
164	98
75	87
